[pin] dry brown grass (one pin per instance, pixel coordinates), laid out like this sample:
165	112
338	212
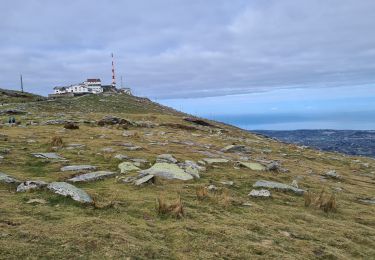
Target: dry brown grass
57	141
225	198
201	192
175	209
322	201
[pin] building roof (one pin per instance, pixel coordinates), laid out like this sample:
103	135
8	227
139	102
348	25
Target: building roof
60	88
93	80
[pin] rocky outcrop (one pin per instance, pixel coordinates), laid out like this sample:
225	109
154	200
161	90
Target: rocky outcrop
68	190
166	158
251	165
127	167
48	156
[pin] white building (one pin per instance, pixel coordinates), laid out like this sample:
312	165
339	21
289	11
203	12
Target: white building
89	86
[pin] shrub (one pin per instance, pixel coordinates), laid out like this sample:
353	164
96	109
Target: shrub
71	125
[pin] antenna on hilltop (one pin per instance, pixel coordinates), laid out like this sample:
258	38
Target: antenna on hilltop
21	83
113	72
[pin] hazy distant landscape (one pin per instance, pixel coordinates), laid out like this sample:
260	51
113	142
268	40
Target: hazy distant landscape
352	142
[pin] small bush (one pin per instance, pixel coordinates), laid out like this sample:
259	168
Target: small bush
321	201
329	205
57	141
71	125
175	209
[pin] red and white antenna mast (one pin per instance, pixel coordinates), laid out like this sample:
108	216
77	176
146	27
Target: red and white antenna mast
113	72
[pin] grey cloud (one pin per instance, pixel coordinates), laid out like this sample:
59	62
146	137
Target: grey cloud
168	49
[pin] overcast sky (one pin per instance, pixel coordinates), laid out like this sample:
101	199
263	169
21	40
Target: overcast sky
188	48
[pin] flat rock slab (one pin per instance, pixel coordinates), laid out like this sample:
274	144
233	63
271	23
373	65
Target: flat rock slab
278	186
144	179
367	201
92	176
127	167
68	190
235	149
4	178
260	194
48	156
77	168
252	166
215	160
168	171
31	185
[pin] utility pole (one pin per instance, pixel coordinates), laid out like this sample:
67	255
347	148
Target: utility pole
113	72
21	83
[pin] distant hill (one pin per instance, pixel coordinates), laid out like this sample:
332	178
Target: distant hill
13	96
352	142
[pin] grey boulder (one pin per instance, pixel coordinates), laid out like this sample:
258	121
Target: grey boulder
77	168
48	156
167	171
277	186
68	190
31	185
4	178
260	194
166	158
92	176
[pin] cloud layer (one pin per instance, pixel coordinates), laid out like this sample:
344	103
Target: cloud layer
180	48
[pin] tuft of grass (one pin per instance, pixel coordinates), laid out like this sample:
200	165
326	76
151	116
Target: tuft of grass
308	196
57	141
201	192
175	209
327	204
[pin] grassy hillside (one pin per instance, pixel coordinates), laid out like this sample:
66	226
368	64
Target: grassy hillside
12	96
219	224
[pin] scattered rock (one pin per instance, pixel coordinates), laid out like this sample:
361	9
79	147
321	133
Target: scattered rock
121	157
92	176
77	168
166	158
139	162
332	174
128	179
294	184
12	112
108	150
197	121
146	124
55	122
212	188
235	149
4	178
278	186
168	171
127	167
370	201
227	183
145	179
71	126
31	185
111	120
252	166
215	160
192	168
129	133
48	156
272	166
68	190
36	201
247	204
260	194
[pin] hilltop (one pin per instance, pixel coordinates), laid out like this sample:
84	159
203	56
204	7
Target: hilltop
13	96
172	186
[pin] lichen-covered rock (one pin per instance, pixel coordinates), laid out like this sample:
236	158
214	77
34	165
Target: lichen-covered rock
77	168
192	168
166	158
235	149
4	178
252	166
31	185
48	156
145	179
332	174
168	171
277	186
127	167
215	160
68	190
260	194
92	176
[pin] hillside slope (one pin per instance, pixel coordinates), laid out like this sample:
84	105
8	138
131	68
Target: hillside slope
219	218
13	96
